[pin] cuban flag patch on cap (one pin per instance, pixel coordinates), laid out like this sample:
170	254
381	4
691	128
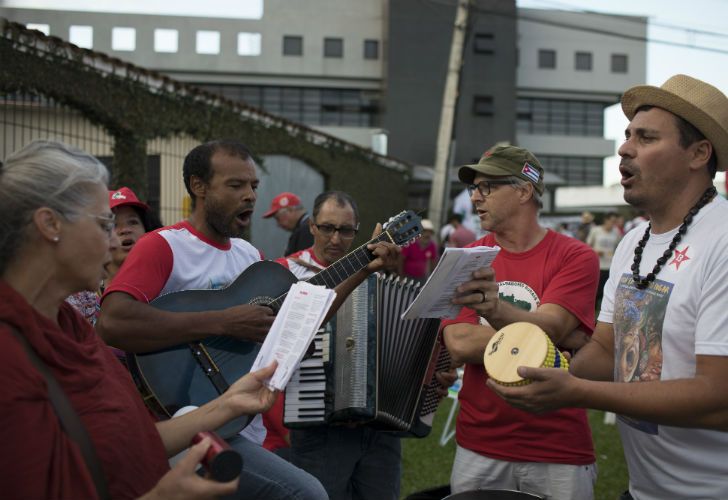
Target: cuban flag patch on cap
531	172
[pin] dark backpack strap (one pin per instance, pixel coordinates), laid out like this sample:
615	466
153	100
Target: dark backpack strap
70	420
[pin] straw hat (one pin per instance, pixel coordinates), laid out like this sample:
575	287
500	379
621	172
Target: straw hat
693	100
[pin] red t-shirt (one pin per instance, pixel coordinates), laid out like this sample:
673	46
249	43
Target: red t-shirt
559	270
39	459
416	257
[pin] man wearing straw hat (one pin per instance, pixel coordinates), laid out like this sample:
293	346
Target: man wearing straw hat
659	354
545	278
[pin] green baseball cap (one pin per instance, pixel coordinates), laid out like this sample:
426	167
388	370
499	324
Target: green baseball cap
506	161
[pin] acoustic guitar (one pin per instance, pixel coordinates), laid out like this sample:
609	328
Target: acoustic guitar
197	372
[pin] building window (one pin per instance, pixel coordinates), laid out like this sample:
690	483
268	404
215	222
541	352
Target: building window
248	44
123	39
575	170
333	47
166	40
547	59
583	61
371	49
308	105
292	45
619	63
83	36
483	105
43	28
484	43
208	42
559	117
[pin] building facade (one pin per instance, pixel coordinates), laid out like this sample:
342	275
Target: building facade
373	72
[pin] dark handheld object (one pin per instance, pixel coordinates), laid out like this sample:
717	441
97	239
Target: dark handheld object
221	461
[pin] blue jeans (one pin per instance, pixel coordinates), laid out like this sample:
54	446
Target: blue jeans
266	476
351	463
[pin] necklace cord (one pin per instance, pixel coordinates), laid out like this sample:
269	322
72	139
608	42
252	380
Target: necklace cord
642	283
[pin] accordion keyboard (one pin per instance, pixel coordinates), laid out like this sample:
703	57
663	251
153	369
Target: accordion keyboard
305	390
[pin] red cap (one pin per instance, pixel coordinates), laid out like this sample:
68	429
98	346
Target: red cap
283	200
125	196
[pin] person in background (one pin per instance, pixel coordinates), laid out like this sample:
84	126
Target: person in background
585	226
659	354
54	241
604	239
460	236
290	215
543	278
418	259
131	221
564	229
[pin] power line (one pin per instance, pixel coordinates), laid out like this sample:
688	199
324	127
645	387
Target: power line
604	32
628	18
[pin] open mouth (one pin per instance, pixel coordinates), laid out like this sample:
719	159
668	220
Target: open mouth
127	243
627	174
243	218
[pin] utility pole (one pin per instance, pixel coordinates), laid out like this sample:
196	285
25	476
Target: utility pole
440	185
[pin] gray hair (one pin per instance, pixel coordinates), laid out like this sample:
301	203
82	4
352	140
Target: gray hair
517	181
43	174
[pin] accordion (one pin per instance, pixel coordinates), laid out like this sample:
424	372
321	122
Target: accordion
370	366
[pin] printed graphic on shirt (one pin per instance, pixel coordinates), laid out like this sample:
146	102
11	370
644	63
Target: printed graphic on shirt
639	317
519	294
681	257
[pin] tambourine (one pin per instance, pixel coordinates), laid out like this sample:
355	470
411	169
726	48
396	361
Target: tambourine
520	344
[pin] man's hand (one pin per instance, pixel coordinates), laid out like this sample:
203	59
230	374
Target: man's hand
550	389
386	254
480	293
446	378
247	322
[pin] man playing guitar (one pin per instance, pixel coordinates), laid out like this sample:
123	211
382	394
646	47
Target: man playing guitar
206	252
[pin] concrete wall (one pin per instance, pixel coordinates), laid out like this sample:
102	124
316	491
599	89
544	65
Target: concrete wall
419	38
566	41
352	20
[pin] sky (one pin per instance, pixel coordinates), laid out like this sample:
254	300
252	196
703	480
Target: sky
680	21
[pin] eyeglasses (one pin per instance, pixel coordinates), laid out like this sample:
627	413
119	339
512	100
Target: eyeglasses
485	187
107	222
345	232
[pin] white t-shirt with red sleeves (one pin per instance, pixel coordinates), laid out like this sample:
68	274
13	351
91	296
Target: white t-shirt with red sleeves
178	257
303	264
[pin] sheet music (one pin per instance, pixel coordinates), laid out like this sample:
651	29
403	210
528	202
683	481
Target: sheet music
455	267
300	316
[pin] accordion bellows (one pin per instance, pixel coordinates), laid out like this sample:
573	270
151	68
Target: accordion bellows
373	367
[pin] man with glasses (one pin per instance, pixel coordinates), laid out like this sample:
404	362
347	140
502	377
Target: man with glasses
541	277
349	461
290	215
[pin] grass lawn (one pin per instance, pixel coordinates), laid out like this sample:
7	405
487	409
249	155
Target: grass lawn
426	464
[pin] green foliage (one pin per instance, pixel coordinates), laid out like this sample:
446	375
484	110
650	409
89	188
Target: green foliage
426	464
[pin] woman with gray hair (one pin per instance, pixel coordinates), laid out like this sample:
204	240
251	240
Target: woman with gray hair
55	225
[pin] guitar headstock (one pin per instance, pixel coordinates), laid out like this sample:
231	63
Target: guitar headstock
403	227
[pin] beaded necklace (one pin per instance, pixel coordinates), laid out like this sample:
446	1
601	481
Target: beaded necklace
641	283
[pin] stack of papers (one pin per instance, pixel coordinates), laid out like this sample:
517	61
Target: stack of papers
456	266
296	323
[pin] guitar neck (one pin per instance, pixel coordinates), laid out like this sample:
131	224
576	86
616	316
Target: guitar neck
342	269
